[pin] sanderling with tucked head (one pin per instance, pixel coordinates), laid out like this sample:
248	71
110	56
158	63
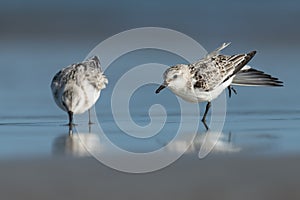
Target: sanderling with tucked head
77	87
205	80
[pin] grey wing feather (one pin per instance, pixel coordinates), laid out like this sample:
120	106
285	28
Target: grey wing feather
216	69
239	61
253	77
56	81
217	51
210	72
92	72
89	70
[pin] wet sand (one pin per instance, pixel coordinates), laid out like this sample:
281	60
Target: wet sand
215	177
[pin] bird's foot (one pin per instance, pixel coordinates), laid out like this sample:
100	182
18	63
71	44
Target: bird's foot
230	88
204	123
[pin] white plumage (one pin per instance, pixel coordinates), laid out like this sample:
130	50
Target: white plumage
206	79
77	87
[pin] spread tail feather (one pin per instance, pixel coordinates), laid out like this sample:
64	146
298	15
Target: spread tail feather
253	77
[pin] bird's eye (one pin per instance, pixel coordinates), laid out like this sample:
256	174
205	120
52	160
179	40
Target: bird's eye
175	76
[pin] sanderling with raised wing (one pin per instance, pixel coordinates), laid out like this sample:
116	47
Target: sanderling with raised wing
205	80
77	87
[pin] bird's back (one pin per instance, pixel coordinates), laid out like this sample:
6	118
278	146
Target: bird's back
214	69
85	77
77	73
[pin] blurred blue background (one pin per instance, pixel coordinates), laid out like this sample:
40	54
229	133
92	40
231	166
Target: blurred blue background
39	37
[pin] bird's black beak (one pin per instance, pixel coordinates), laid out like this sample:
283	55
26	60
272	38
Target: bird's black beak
161	87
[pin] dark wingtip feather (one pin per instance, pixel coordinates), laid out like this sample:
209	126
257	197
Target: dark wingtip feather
240	65
253	77
251	54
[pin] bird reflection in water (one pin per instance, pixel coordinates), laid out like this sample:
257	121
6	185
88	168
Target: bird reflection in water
76	144
204	143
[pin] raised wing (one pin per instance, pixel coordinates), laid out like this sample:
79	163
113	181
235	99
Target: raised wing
215	69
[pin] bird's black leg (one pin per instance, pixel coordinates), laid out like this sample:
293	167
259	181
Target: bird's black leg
229	137
90	128
206	111
234	91
229	90
70	113
90	121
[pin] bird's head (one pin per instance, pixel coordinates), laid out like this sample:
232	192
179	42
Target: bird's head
175	77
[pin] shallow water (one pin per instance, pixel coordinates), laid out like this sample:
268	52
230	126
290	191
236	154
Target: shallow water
259	122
